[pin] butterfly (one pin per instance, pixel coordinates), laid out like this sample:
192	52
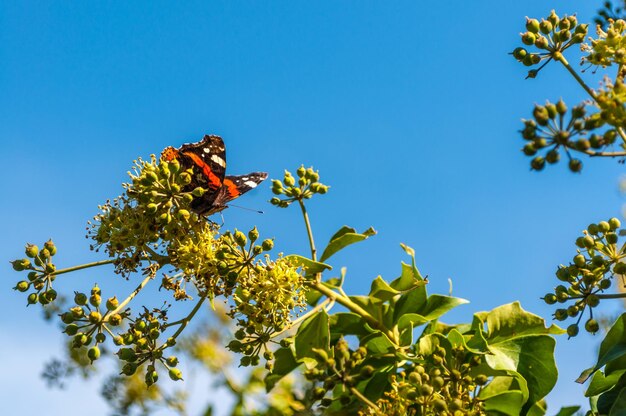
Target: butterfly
207	159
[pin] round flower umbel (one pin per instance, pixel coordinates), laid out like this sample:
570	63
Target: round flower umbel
589	274
610	46
553	35
41	273
153	212
611	100
551	133
269	295
308	185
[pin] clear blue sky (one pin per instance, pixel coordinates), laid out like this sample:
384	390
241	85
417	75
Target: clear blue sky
410	110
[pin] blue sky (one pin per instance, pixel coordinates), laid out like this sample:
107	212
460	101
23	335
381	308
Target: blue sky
410	110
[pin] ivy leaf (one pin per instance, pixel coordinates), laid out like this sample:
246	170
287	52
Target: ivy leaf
507	403
310	267
284	363
612	348
601	383
568	411
314	332
347	323
381	291
313	296
343	238
378	343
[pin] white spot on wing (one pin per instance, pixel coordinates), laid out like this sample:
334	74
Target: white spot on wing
218	160
251	184
206	150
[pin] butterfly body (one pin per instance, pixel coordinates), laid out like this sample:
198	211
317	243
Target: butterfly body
207	159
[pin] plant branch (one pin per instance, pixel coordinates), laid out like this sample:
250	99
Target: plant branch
185	321
365	400
608	296
130	297
82	266
559	57
345	301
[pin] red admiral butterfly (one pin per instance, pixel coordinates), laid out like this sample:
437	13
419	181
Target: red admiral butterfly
207	159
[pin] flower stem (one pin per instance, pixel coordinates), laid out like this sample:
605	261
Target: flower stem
185	321
307	222
607	296
559	57
130	297
365	400
82	266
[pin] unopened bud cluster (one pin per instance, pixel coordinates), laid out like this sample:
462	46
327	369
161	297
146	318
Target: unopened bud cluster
41	273
553	35
447	383
610	101
304	187
589	274
338	369
551	132
89	321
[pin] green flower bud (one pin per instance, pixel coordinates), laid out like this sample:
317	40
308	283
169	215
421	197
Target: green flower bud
22	286
100	337
538	163
112	303
550	298
572	330
94	317
172	361
94	300
175	374
528	38
605	284
575	165
593	229
481	379
619	268
77	312
592	300
183	214
604	226
71	329
560	314
288	179
31	299
519	53
22	264
50	268
614	223
115	319
93	353
267	244
553	156
253	234
240	238
31	250
592	326
532	25
129	369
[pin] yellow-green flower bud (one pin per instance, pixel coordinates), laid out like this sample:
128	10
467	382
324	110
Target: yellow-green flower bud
171	361
183	214
71	330
175	374
174	165
49	245
129	369
288	179
21	264
31	250
253	234
77	312
301	171
545	26
22	286
94	317
80	298
115	319
240	238
267	244
185	178
93	354
50	268
95	300
32	299
112	303
532	25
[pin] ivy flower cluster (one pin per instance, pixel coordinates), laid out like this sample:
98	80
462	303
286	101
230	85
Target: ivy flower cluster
446	383
609	48
307	186
590	273
553	35
41	273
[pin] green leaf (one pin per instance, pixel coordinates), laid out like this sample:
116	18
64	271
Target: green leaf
378	343
612	348
313	296
410	276
311	267
619	405
347	323
568	411
506	403
343	238
511	321
314	332
538	408
601	383
381	291
284	363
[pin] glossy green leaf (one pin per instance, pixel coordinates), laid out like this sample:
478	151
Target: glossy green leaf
568	411
343	238
381	291
347	323
284	363
619	405
314	332
538	409
507	403
601	383
613	347
311	267
378	343
410	276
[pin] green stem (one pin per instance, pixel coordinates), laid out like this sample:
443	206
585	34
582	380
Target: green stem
308	230
185	321
82	266
608	296
294	323
365	400
130	297
559	57
345	301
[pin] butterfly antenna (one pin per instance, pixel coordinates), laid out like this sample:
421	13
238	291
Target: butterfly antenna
246	208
